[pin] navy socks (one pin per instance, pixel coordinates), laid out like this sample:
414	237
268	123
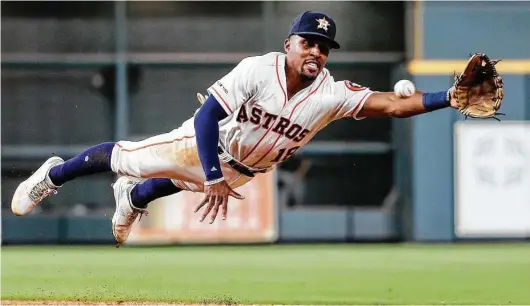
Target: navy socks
97	160
152	189
93	160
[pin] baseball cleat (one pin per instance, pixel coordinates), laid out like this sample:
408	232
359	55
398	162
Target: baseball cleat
125	213
33	190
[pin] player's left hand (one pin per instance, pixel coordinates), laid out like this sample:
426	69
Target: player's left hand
216	196
478	90
454	103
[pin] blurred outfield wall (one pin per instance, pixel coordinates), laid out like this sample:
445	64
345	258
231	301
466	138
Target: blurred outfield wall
444	35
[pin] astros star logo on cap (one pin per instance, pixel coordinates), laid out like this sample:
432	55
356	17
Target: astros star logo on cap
322	24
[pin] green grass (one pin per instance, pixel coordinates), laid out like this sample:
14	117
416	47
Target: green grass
301	274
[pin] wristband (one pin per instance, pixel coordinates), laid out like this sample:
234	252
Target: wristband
436	100
212	182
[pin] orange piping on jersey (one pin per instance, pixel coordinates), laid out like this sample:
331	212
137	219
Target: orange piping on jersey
290	115
361	102
153	144
280	82
284	102
222	99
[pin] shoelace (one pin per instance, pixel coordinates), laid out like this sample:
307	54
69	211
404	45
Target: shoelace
130	218
40	191
142	213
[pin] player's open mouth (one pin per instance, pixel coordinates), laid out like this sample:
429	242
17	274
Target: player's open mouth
313	66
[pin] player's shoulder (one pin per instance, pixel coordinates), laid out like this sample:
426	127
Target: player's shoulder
341	84
263	60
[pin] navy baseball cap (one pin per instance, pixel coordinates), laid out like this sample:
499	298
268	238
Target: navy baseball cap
316	24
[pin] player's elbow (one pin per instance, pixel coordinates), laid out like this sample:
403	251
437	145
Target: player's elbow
211	110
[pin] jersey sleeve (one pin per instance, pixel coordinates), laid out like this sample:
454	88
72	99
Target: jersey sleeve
351	98
236	87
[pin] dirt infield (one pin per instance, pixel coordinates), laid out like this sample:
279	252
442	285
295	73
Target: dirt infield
81	303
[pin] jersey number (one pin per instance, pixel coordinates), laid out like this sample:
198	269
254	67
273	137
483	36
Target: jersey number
284	154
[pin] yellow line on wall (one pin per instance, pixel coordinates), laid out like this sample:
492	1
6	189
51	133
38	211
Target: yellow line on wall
437	67
418	29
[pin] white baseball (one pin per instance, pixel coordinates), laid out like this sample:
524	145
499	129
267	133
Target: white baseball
404	88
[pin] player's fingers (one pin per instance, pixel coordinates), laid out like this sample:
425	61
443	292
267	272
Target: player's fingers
204	201
236	195
218	202
211	204
224	206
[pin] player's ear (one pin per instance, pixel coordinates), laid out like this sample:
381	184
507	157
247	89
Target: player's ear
287	44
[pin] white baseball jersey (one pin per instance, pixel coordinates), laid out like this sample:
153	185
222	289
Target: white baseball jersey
263	126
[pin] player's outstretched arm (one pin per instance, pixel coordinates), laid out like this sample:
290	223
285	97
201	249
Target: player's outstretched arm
216	189
388	104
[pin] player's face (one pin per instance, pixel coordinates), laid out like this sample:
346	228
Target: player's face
308	55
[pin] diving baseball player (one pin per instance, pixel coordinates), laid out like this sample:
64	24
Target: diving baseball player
255	117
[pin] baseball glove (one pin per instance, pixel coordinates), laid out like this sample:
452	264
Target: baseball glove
479	89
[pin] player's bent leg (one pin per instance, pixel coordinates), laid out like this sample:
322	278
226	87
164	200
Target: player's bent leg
170	163
55	172
132	199
152	189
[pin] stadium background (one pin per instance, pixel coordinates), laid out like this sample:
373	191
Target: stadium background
76	74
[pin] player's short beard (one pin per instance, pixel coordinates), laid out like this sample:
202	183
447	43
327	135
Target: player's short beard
306	78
